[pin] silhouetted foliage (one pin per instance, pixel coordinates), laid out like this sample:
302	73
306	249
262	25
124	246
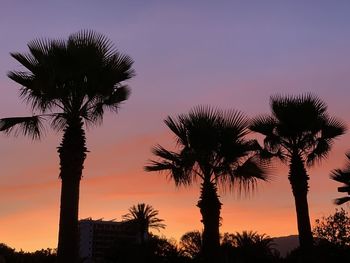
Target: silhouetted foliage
155	249
69	82
248	246
146	217
299	132
343	176
212	148
322	252
191	244
10	255
334	229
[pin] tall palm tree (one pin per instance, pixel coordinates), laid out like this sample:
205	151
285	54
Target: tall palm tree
299	132
212	148
146	217
343	176
70	83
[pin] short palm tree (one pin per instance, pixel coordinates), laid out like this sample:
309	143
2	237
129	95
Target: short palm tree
299	132
252	247
343	176
212	148
251	238
70	83
146	217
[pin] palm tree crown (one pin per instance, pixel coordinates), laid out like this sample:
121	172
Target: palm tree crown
145	214
212	148
77	78
298	125
299	132
343	176
146	217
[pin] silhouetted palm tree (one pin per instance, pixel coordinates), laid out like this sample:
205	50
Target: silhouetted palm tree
249	246
70	82
146	217
343	176
212	148
299	132
249	238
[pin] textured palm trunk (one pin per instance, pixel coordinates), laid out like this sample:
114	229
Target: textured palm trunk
210	207
298	179
72	153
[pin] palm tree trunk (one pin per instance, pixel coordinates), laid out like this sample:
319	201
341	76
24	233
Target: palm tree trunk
72	153
210	207
298	179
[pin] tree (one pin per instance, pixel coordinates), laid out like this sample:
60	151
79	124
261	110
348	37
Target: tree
71	83
299	132
212	148
191	244
249	246
334	228
343	176
146	217
155	249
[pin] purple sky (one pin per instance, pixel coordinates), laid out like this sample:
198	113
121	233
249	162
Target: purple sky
231	54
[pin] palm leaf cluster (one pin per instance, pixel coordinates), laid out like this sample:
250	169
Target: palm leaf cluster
343	176
298	123
211	146
145	215
63	79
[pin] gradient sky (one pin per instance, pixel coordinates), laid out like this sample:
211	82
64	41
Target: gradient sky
231	54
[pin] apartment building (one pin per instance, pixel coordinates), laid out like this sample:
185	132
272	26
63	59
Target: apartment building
99	236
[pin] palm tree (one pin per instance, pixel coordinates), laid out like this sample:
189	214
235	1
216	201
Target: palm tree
253	247
146	217
252	238
212	148
299	132
343	176
71	83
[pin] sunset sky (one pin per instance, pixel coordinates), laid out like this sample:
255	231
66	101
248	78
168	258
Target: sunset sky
230	54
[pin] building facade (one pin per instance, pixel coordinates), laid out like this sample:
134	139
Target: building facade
97	237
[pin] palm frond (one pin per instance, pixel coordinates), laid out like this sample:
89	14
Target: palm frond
235	122
28	126
245	176
342	200
161	152
263	124
342	176
145	215
178	128
333	128
23	78
59	121
27	60
323	147
94	110
179	174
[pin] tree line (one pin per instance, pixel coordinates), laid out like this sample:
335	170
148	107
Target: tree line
70	83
